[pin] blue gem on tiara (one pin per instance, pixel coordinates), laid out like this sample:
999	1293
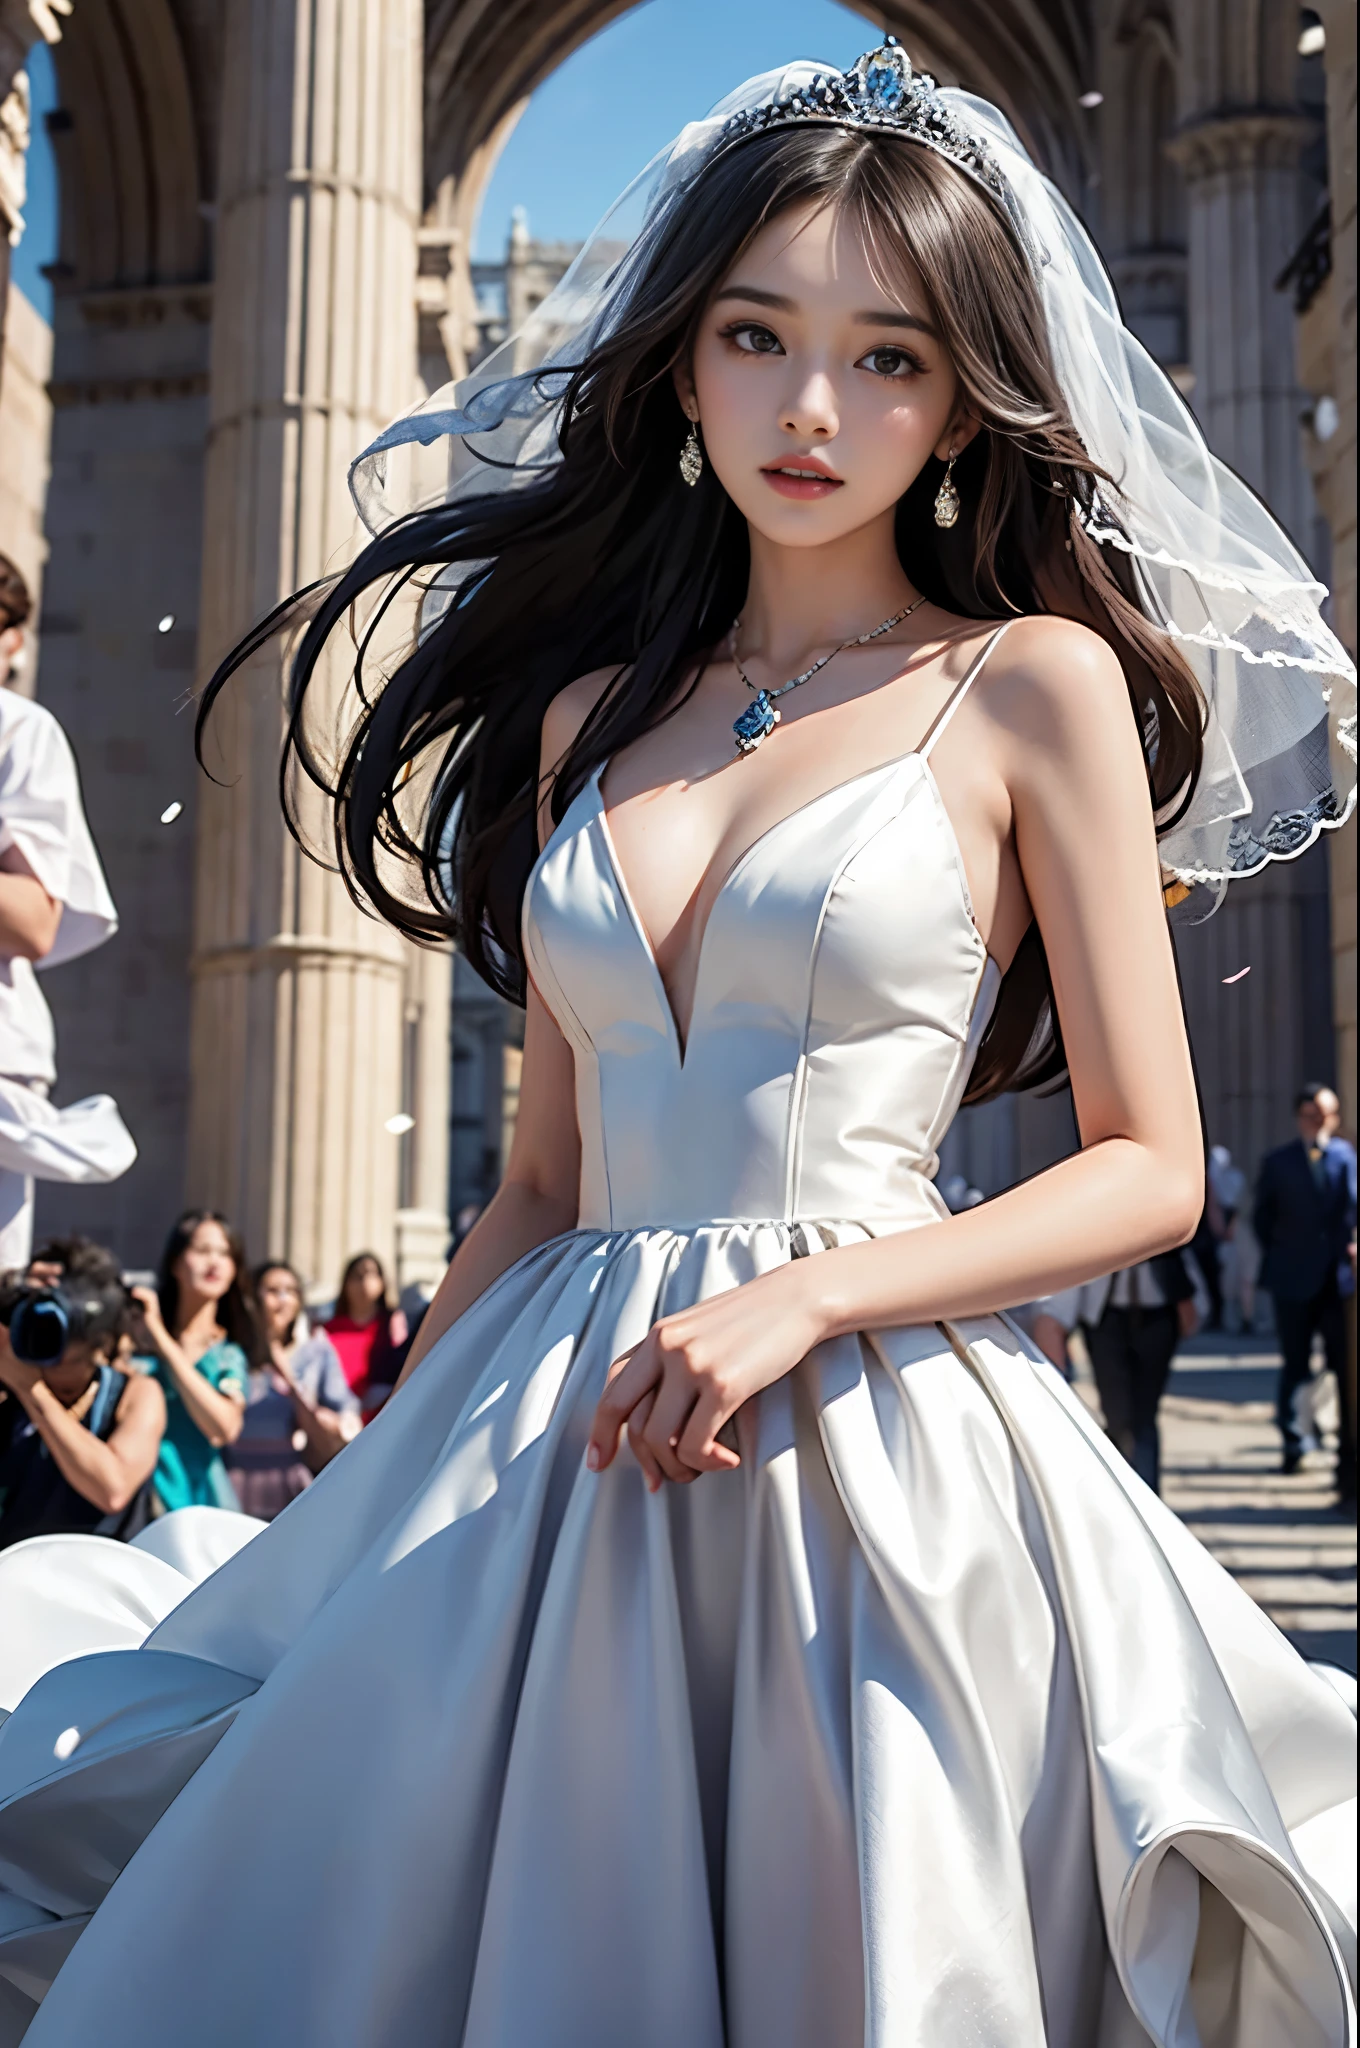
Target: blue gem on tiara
884	77
884	86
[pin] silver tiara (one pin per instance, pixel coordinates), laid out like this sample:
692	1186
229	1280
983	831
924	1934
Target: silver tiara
880	91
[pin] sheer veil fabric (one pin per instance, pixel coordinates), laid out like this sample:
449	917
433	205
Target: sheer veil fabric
928	1727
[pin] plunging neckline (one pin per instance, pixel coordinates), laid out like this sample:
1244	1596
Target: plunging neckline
682	1041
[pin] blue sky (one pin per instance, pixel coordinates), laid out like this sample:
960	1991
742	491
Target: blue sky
39	244
596	121
588	129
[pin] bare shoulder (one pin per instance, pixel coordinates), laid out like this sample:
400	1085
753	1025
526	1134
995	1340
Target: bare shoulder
568	712
1056	693
140	1397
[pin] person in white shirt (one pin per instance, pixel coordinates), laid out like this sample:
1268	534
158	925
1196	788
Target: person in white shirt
54	906
1132	1322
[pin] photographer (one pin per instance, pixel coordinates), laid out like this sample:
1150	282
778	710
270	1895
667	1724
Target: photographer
78	1438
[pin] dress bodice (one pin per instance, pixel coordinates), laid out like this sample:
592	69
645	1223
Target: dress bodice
841	991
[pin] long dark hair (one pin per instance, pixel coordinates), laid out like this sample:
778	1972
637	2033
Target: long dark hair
384	1308
233	1310
610	561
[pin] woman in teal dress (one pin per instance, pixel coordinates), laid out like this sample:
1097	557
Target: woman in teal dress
205	1342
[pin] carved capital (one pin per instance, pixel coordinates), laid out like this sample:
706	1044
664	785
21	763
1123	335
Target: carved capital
1228	144
22	22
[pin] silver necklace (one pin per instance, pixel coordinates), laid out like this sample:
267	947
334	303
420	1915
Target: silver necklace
761	716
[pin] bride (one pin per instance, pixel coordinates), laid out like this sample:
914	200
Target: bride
837	650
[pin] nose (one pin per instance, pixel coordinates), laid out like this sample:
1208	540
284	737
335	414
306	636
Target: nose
810	410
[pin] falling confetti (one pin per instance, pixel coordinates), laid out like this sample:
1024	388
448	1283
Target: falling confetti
164	625
1229	979
400	1124
170	813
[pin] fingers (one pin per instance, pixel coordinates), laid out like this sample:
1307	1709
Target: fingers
672	1409
629	1379
637	1423
698	1446
665	1425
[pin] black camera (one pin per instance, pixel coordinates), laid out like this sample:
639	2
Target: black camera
43	1321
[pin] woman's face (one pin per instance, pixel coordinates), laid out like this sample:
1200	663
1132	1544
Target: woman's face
365	1289
820	391
280	1300
205	1267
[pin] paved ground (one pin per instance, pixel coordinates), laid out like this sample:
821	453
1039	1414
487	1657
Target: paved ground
1284	1539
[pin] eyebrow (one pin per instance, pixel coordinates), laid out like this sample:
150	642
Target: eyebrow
886	316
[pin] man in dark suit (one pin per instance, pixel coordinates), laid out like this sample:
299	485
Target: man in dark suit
1305	1223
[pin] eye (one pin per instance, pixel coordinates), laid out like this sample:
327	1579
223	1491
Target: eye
752	339
890	360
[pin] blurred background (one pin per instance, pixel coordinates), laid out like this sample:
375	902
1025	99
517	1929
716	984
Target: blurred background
242	234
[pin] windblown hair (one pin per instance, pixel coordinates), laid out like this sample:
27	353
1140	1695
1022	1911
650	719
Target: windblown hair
610	562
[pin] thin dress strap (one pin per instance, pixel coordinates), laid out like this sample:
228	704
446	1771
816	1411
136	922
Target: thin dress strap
959	692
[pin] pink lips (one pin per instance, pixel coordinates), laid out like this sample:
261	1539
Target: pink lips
801	486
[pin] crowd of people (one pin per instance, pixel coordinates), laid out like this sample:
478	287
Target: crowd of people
1292	1244
215	1387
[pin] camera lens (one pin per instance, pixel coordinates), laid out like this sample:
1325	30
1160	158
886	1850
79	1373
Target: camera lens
38	1329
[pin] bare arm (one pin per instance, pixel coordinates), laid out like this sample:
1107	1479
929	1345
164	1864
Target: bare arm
29	917
1083	830
327	1430
220	1417
1072	765
106	1474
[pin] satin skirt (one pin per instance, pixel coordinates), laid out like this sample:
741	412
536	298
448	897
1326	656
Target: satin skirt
928	1727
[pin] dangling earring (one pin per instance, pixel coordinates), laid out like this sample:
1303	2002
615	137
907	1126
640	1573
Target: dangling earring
691	457
947	497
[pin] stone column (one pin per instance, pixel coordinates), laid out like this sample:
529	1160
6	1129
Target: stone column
1242	189
300	1001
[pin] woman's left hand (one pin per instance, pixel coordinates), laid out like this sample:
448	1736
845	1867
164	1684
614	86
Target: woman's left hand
692	1371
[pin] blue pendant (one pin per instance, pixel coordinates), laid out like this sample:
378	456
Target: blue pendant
756	723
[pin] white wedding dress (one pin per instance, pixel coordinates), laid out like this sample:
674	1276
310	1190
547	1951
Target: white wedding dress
928	1728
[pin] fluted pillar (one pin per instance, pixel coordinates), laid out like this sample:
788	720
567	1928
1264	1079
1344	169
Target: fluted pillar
1242	191
301	1012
